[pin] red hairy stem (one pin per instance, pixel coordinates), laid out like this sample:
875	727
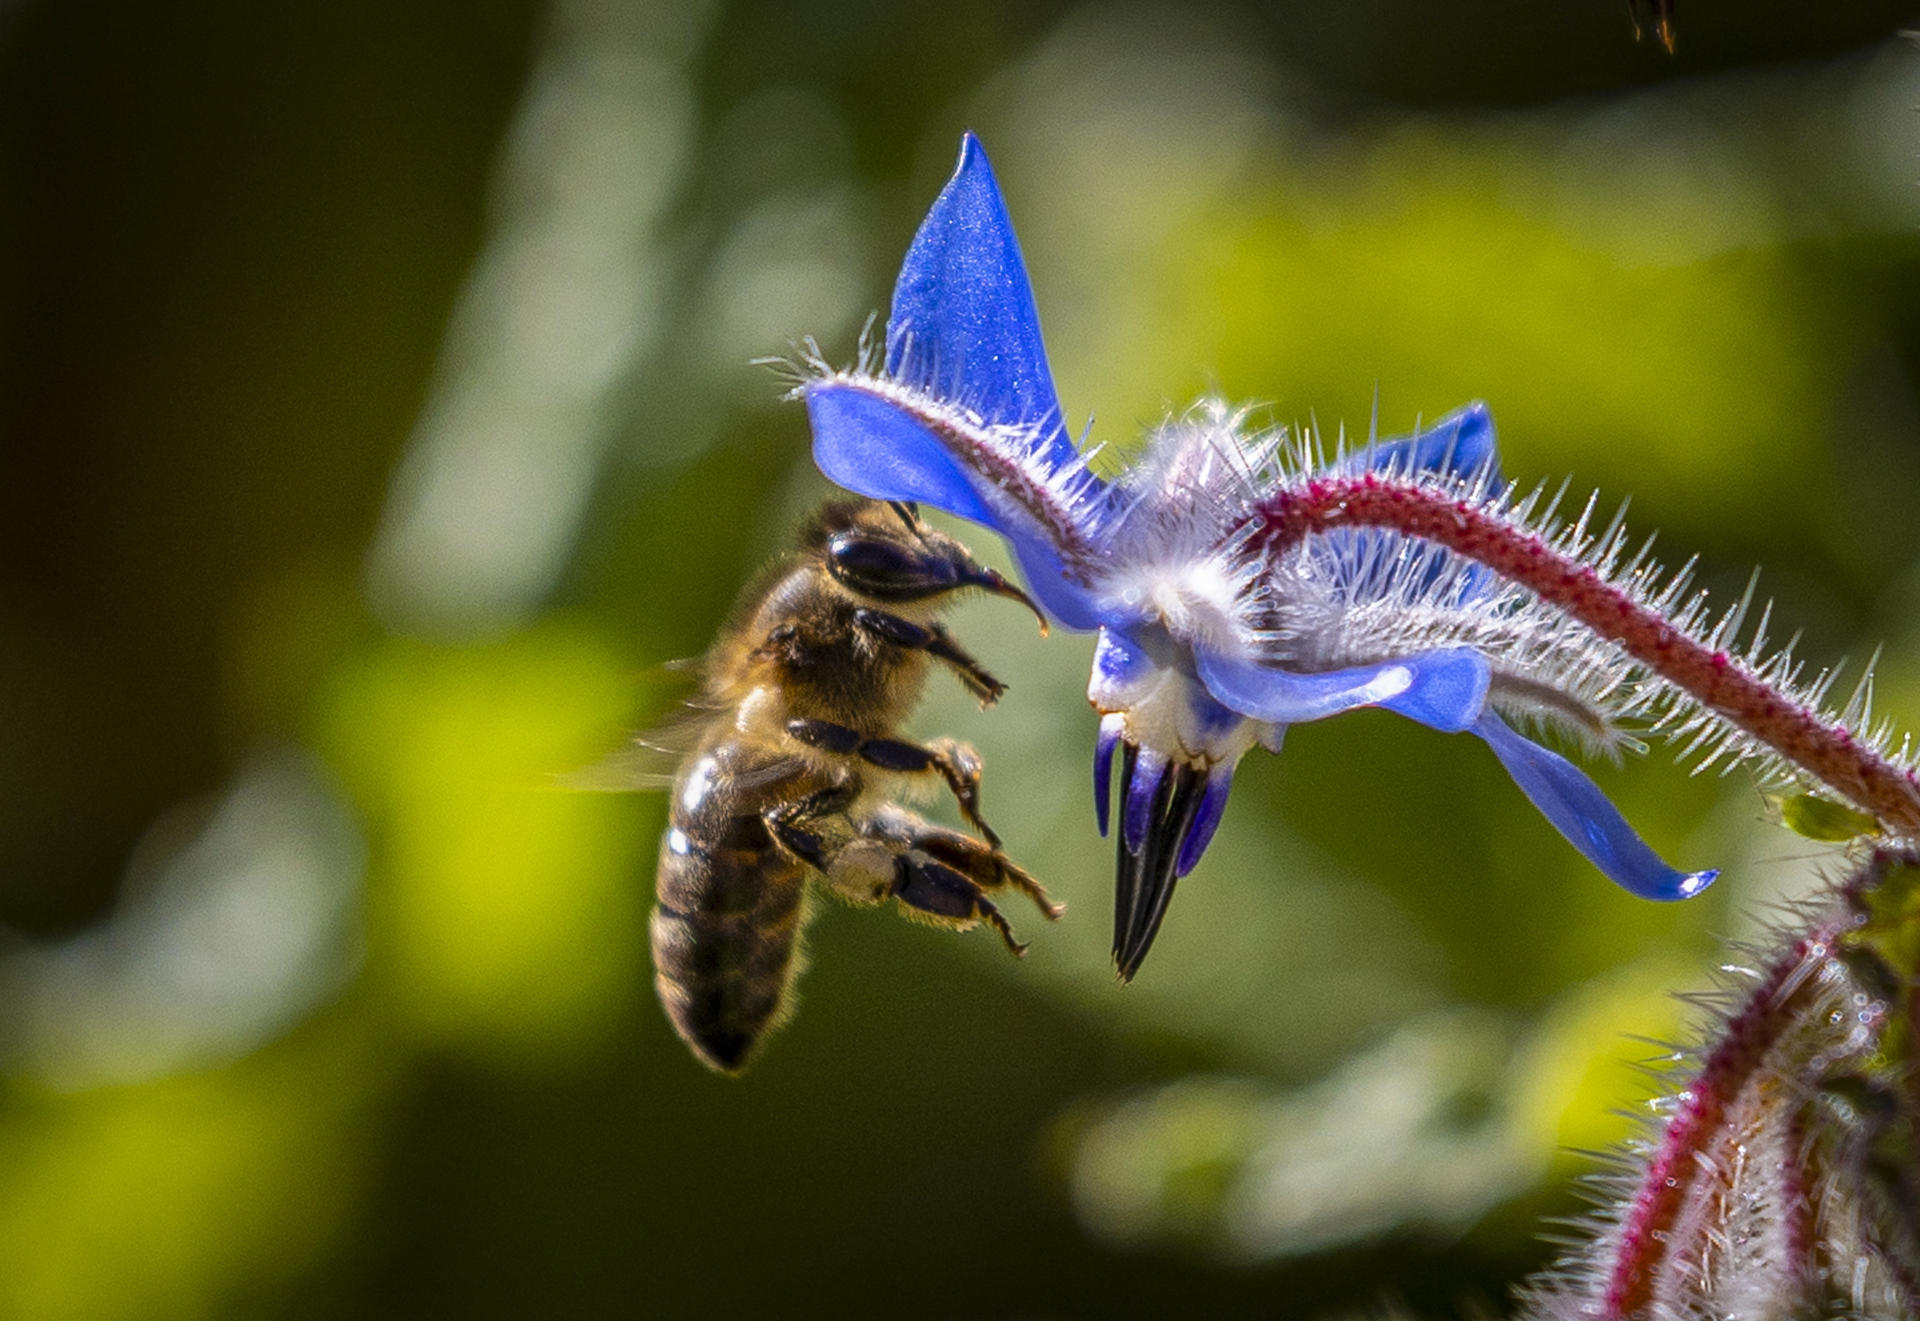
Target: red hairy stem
1823	749
1693	1146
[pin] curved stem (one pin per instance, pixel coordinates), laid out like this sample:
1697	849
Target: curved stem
1824	749
1684	1168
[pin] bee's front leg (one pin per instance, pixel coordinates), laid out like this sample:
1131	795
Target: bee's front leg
936	642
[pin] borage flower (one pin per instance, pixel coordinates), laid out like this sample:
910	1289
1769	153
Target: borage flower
1214	635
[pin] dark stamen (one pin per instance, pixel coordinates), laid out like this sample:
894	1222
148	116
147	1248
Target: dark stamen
1147	875
1127	878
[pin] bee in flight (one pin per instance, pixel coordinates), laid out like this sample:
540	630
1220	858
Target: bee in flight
794	771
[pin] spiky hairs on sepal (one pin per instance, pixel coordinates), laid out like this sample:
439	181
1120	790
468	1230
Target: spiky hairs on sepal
1778	1181
1674	664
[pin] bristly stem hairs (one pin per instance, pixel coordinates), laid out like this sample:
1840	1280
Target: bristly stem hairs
1750	700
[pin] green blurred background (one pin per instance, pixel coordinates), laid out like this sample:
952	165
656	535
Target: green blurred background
377	417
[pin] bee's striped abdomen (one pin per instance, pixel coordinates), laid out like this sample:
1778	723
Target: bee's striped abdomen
725	927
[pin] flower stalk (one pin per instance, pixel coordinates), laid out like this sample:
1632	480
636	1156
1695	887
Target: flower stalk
1822	749
1782	1182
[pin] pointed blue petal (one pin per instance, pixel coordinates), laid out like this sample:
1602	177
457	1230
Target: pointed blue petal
870	444
1148	770
1461	443
1111	728
964	326
1443	689
968	405
1592	824
881	447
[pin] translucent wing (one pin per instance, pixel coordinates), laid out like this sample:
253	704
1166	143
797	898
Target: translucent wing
641	765
650	760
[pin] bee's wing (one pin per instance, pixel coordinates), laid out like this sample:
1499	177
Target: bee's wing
635	767
651	759
646	761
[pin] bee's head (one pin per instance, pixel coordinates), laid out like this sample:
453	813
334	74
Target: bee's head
885	553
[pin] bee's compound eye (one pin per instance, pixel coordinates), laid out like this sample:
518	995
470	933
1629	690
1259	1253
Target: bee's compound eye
885	570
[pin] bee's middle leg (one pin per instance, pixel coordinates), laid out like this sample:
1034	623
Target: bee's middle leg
954	761
792	824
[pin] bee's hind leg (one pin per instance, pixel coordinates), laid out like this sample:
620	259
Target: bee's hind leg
935	890
945	874
986	867
938	875
791	824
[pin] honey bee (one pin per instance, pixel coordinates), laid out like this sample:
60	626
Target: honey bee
794	772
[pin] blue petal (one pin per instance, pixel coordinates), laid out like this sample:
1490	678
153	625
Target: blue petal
1112	727
1149	769
1592	824
1134	657
1461	443
875	446
1446	690
964	326
870	444
1121	661
964	335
